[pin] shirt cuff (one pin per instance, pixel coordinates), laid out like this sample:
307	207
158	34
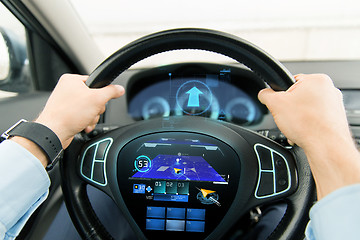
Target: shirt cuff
24	184
336	216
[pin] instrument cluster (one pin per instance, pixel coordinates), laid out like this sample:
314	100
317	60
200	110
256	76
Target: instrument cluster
218	92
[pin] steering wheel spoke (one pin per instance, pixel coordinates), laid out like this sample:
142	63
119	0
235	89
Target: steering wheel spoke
269	171
277	175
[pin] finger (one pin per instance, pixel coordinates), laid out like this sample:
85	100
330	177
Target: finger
291	142
102	110
95	120
265	95
295	85
299	76
273	100
92	125
111	92
84	78
71	77
89	129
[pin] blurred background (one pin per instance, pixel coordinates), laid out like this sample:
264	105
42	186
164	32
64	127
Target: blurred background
287	29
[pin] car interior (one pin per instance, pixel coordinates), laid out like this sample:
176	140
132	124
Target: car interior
189	151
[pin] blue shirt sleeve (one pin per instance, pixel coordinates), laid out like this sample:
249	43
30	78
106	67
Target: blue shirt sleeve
24	185
336	216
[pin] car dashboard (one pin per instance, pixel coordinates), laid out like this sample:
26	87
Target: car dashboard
222	92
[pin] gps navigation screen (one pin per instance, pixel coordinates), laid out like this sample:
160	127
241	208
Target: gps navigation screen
177	183
174	167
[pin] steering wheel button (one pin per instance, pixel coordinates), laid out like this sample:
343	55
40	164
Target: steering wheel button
264	157
281	173
266	184
87	162
281	185
282	182
280	164
102	149
98	174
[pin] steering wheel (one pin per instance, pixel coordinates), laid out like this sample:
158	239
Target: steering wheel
148	167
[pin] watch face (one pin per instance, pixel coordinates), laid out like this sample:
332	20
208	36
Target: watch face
178	184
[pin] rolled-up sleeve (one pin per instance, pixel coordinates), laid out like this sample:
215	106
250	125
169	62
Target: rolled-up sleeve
24	185
337	216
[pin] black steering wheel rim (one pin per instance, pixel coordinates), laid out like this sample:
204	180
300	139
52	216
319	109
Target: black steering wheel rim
269	69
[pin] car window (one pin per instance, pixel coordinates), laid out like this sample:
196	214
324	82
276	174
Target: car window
15	75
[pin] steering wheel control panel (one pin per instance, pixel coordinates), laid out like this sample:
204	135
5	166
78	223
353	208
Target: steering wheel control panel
93	162
274	177
178	183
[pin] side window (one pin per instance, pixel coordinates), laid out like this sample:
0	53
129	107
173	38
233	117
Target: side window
15	74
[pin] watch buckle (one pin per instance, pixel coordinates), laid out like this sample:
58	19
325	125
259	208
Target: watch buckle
6	135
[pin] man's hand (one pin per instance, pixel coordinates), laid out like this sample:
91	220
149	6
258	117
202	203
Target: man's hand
311	114
73	107
309	111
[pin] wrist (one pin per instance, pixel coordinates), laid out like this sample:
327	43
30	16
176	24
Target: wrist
335	163
333	143
33	148
54	126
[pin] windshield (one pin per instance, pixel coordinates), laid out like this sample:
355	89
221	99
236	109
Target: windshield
288	30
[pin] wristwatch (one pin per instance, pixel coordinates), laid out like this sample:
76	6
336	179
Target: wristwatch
41	135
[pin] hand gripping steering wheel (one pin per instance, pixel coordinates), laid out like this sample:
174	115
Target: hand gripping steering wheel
253	170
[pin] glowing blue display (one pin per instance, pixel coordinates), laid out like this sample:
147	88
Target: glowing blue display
174	167
209	95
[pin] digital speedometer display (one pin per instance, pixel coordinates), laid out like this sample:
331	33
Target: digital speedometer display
206	94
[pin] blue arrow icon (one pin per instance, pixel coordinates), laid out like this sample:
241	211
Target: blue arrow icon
194	97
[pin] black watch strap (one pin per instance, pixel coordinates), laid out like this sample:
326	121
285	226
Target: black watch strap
43	136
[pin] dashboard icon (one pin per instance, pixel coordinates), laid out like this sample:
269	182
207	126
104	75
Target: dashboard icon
139	188
208	197
194	97
178	170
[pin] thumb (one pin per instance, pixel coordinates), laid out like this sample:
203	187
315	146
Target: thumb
112	91
273	100
266	95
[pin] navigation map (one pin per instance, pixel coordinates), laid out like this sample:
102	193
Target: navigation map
173	167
